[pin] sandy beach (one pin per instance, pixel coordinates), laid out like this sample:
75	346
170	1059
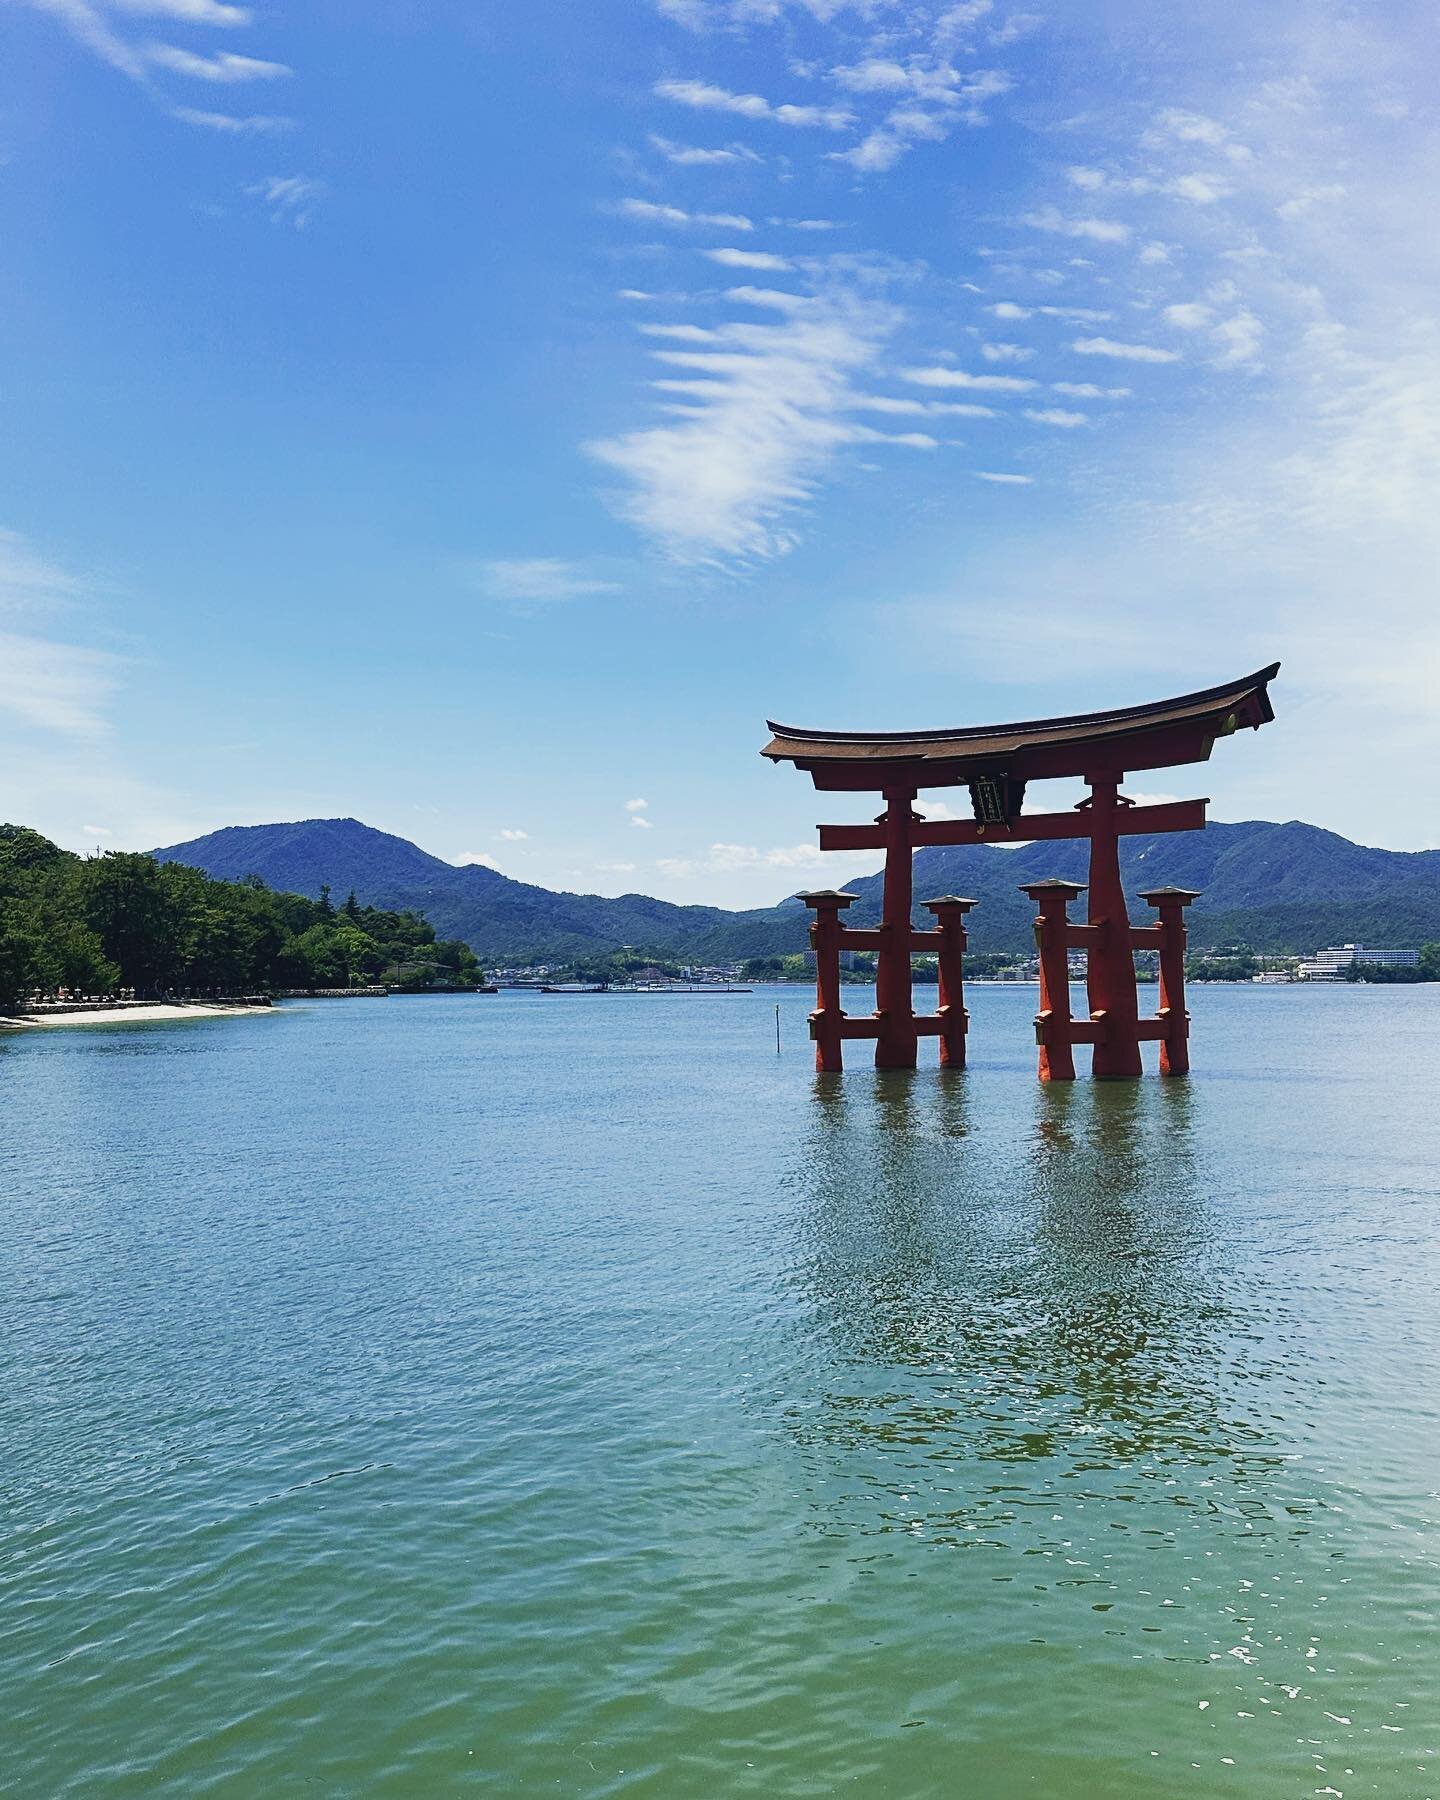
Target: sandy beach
127	1015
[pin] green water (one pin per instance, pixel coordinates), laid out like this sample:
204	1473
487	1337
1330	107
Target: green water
540	1395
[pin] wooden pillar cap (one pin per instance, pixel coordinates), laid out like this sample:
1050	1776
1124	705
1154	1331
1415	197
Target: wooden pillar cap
957	902
1175	896
1053	885
827	897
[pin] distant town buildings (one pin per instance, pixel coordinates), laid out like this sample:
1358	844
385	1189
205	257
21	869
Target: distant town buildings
1330	965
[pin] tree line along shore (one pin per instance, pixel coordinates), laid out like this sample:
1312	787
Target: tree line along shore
122	922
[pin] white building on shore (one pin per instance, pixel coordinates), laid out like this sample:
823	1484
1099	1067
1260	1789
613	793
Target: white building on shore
1330	965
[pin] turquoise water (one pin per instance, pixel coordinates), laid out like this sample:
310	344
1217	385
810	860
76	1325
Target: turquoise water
526	1394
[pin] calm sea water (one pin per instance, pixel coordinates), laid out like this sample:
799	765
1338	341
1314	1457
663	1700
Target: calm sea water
542	1395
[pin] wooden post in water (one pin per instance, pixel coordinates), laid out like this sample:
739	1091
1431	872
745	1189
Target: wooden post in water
1053	1026
950	911
827	1018
1170	903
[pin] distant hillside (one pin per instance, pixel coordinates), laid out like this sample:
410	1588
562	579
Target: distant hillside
512	920
1276	887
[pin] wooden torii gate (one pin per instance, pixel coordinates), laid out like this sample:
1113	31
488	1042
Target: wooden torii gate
996	763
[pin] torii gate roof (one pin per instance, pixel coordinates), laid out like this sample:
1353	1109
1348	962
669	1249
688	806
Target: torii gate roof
1158	735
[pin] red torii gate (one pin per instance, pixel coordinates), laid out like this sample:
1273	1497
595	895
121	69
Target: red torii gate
996	762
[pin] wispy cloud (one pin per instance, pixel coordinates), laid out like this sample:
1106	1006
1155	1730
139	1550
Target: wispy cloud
1004	480
704	95
539	578
749	259
1087	390
1099	231
90	23
1103	346
938	100
942	376
700	155
223	68
251	125
189	12
59	687
1056	415
650	212
291	198
757	419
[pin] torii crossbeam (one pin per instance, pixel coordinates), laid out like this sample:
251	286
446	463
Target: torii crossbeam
996	763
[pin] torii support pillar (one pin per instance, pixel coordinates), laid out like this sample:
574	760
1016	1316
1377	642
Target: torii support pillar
1054	1028
827	1020
950	911
1170	903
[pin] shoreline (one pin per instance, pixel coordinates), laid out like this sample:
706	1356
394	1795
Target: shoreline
143	1013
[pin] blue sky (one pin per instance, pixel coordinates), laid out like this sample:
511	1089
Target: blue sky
478	420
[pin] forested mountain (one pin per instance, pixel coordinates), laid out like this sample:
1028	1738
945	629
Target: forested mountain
1276	887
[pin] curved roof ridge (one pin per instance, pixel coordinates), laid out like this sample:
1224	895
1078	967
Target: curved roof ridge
961	733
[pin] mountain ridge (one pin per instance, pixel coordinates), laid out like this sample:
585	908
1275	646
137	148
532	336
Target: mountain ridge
1287	886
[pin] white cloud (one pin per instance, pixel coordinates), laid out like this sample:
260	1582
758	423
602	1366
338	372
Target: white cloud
1089	181
1103	346
1301	203
1054	415
509	835
253	125
615	868
291	198
643	823
1006	353
97	831
1192	128
938	100
469	858
58	687
189	12
699	155
28	583
1087	390
888	403
1003	480
1188	316
729	859
648	212
941	376
1099	231
1017	26
539	578
223	68
1204	190
1153	254
1238	340
759	421
634	806
748	259
683	334
705	95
